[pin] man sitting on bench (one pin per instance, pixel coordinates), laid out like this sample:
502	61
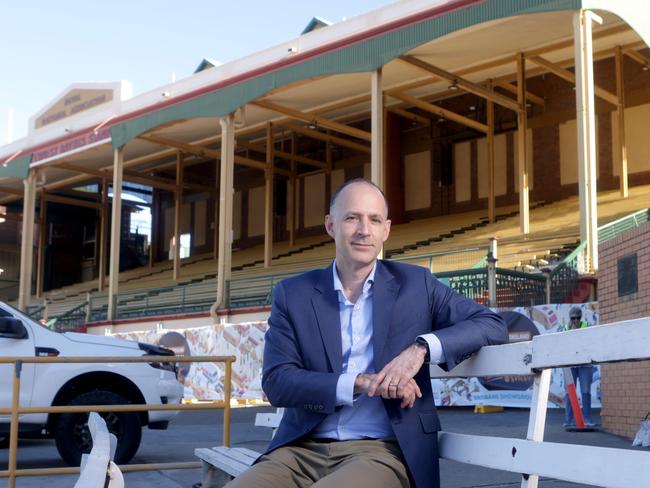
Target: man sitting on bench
346	353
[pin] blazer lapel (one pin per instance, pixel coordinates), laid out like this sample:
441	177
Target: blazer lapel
385	291
326	306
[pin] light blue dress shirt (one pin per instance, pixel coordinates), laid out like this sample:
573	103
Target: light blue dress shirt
360	416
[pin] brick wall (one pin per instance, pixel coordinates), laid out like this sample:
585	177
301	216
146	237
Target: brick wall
625	387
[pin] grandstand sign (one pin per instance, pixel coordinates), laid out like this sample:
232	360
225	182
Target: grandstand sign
71	108
72	103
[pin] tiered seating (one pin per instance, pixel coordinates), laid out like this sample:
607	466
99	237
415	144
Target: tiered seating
442	244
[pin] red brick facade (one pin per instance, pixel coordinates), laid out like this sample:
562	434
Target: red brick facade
625	387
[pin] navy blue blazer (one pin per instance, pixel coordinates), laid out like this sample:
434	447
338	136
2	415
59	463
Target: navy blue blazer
303	357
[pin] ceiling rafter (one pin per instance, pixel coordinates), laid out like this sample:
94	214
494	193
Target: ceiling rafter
203	151
567	75
513	89
282	154
314	134
463	83
441	112
311	118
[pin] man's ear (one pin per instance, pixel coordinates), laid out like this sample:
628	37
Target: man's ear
329	225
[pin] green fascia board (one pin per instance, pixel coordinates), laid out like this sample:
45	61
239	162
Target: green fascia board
17	168
363	56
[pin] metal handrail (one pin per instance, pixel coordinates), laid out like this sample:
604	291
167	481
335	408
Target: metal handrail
12	472
617	227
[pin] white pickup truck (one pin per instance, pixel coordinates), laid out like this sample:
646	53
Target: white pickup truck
83	384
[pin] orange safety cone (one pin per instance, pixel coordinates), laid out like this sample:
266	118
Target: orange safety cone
575	405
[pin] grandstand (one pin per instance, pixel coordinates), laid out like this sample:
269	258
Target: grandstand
442	244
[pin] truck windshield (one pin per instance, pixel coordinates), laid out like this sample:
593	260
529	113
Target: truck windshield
8	310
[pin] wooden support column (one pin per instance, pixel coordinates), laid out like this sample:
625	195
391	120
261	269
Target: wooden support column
103	234
225	207
524	217
215	237
620	122
586	122
26	244
178	204
377	129
42	241
292	192
490	155
116	232
268	197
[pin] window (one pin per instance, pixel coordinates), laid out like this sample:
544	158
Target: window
627	275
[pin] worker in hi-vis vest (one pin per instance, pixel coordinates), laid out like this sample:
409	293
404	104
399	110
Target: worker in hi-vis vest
581	374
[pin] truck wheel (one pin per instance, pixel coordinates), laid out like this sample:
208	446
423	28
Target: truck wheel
73	437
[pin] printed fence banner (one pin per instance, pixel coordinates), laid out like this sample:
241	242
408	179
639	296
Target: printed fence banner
245	341
516	391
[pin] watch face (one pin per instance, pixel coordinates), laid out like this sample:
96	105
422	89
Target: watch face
520	329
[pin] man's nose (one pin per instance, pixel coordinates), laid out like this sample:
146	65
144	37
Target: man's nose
363	227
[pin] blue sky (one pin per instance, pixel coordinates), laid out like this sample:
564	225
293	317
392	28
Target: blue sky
48	45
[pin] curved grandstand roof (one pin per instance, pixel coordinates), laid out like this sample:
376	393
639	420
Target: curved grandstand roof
327	70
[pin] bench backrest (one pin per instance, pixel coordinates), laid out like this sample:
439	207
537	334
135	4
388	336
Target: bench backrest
621	341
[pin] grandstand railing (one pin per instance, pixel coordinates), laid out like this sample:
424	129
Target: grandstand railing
565	277
513	288
629	222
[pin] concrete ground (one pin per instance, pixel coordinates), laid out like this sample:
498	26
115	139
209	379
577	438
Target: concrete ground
203	429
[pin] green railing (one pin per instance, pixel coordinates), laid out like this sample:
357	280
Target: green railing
517	289
565	277
473	283
629	222
513	288
72	319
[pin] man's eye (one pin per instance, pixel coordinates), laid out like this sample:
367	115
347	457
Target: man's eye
351	218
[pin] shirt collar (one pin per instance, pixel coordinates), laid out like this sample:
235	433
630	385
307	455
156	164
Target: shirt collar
338	286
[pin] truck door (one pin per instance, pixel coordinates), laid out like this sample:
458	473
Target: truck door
10	347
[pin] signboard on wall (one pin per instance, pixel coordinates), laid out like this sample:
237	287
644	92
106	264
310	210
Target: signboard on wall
71	103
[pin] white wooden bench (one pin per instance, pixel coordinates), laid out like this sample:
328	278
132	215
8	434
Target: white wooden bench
530	457
97	468
221	464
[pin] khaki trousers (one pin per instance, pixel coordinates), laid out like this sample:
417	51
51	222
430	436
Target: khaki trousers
367	463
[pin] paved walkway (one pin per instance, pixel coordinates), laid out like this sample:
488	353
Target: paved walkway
202	429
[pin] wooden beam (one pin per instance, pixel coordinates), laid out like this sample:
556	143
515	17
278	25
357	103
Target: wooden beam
513	89
178	203
116	233
153	181
207	152
441	112
567	75
620	121
314	134
281	154
409	115
640	58
12	216
11	191
490	155
82	170
524	217
292	193
268	196
103	235
317	120
71	201
197	150
377	129
463	83
40	258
